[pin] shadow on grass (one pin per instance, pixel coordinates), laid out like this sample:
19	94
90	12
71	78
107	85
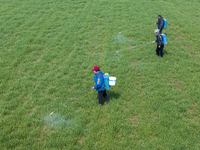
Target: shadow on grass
113	95
165	51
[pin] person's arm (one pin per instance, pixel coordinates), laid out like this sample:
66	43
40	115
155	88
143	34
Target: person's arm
155	41
98	83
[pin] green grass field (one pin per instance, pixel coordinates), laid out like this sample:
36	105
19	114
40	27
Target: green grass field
47	49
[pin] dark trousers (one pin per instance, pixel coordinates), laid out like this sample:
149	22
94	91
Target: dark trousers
159	51
161	30
100	96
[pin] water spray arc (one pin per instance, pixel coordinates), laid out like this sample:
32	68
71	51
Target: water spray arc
136	28
70	100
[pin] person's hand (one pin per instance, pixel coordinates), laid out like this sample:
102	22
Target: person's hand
153	41
159	46
93	87
154	23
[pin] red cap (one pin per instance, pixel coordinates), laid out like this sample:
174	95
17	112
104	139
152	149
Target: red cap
95	68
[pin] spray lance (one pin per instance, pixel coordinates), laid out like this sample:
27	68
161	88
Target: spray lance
132	47
71	99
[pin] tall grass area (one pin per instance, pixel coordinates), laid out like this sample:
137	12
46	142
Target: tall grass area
47	49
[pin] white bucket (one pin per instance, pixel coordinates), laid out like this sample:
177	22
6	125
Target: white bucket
112	81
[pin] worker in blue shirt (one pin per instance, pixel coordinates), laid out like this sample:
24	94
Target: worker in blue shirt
99	85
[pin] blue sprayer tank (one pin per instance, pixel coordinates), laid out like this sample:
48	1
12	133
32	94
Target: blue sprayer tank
165	23
106	81
164	38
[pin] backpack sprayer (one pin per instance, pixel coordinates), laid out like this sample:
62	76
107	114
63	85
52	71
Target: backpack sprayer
109	81
165	24
164	37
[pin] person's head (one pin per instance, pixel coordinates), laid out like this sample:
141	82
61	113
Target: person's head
156	31
95	69
159	16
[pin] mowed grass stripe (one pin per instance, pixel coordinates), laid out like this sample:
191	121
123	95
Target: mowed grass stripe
171	95
39	23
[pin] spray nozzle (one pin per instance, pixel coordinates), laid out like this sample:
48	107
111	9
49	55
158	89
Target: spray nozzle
52	113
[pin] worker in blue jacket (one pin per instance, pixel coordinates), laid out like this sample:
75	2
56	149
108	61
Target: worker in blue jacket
99	85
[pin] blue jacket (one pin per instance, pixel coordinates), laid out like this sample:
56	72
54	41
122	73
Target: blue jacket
99	82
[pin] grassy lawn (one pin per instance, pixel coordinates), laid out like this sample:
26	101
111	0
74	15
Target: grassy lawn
47	49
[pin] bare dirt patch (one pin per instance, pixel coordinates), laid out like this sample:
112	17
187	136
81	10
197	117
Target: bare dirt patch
155	117
102	120
190	110
82	139
133	118
126	108
195	104
178	86
133	63
31	112
45	130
